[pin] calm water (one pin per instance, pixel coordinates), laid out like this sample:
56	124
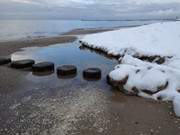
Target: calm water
16	29
67	53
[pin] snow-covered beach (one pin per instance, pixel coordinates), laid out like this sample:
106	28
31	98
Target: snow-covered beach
150	59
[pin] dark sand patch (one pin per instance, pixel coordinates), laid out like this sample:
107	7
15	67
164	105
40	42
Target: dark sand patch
6	48
86	31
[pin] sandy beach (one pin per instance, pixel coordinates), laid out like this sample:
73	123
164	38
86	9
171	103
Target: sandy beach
39	106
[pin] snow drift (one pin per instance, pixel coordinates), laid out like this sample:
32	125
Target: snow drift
150	60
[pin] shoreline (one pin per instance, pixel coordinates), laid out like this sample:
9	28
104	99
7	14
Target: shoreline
8	47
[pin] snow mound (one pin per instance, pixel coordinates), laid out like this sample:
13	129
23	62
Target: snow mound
150	79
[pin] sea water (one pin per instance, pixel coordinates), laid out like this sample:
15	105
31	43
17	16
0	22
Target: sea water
19	29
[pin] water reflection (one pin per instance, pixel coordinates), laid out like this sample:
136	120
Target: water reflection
67	77
92	79
46	73
86	48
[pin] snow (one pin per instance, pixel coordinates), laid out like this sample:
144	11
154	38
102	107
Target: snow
158	38
150	76
152	80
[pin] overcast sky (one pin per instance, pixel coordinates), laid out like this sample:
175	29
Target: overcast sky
90	9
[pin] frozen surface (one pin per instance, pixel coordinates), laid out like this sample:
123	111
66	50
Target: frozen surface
147	79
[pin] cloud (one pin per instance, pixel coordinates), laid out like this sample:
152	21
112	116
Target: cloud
24	1
90	9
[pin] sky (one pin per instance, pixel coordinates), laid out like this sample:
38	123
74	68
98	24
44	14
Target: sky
89	9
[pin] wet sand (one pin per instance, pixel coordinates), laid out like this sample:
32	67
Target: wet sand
6	48
86	31
51	106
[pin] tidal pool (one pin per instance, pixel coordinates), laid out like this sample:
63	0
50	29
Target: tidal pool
68	53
